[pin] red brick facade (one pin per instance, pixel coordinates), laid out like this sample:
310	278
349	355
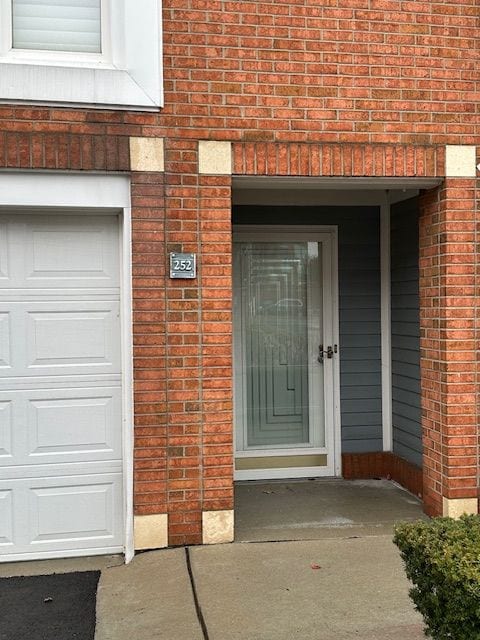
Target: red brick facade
449	342
383	464
346	88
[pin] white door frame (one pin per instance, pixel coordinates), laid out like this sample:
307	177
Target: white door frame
329	235
76	194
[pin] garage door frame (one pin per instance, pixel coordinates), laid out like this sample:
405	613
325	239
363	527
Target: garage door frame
89	194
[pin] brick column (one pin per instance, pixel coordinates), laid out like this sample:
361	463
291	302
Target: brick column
148	272
448	311
215	168
198	343
183	351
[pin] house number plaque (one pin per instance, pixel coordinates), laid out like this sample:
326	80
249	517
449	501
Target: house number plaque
183	265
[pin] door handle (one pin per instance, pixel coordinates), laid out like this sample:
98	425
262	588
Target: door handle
329	352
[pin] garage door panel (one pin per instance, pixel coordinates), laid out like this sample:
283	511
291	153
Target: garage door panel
48	338
6	519
4	252
69	338
60	251
5	357
6	430
75	427
71	512
76	253
61	514
56	426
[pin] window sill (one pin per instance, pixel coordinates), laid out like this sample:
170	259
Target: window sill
56	59
71	86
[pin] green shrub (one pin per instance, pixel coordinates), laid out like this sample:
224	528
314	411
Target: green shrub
442	559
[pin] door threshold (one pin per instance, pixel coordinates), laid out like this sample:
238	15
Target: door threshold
290	480
283	473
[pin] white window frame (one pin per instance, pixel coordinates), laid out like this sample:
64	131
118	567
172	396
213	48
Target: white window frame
126	75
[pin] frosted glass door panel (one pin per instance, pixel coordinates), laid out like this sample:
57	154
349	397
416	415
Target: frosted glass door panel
279	330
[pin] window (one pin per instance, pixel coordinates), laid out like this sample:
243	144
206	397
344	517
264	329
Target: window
68	25
100	53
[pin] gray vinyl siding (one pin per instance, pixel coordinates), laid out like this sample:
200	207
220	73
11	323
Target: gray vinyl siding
407	435
359	302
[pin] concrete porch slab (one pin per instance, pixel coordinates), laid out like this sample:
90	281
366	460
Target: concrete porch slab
313	509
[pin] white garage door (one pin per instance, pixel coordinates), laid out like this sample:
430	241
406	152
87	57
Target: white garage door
60	386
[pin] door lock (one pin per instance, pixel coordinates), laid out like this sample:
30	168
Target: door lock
329	352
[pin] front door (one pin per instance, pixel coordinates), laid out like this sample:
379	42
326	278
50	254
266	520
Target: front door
285	353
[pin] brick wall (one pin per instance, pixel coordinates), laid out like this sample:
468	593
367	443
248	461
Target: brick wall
303	159
150	397
338	88
368	71
198	346
373	71
182	336
449	342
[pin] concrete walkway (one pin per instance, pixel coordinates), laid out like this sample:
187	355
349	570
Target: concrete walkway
335	587
261	592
